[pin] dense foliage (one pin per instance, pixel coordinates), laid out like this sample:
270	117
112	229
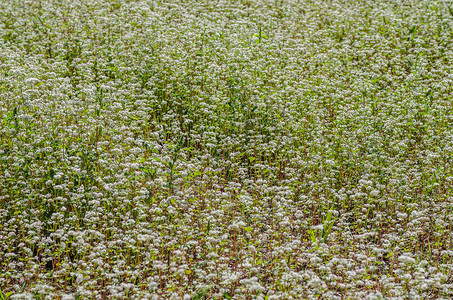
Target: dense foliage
226	149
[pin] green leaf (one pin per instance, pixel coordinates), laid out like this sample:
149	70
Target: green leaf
4	296
201	292
248	229
327	226
313	238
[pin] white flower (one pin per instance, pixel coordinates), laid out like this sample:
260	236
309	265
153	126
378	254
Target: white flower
406	259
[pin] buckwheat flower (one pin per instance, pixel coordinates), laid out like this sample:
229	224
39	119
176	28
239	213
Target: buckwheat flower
374	193
252	284
25	296
318	227
31	80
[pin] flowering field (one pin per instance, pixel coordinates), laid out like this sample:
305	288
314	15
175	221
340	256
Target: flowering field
229	149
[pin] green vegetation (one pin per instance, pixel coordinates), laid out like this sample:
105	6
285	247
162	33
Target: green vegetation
226	149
